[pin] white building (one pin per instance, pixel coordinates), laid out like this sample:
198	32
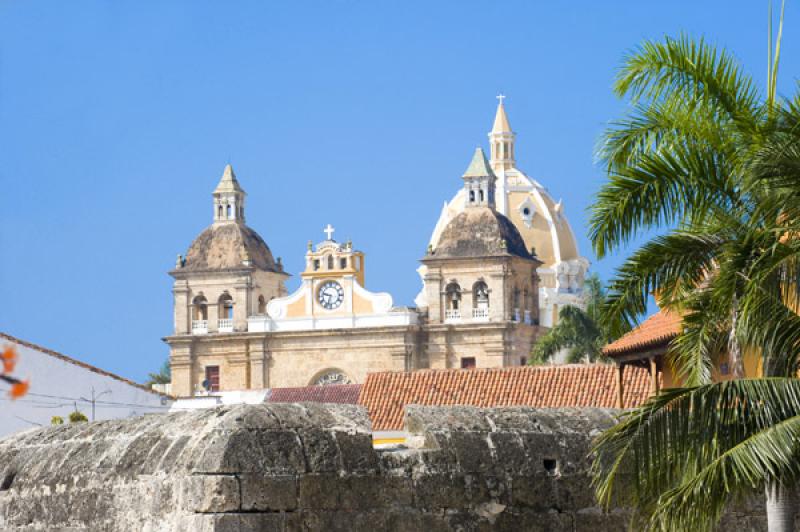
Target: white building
59	384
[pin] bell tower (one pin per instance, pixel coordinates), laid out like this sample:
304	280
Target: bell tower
501	139
479	182
228	199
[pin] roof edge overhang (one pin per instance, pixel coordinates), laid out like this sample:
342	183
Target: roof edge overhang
183	273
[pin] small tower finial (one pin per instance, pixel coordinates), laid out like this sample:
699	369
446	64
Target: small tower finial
228	198
501	139
479	182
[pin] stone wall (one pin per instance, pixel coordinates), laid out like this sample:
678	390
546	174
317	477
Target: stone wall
307	467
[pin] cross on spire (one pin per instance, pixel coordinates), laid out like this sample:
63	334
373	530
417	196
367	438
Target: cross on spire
501	97
329	231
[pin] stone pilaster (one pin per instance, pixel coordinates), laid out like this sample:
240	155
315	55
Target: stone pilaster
241	306
259	364
181	368
180	292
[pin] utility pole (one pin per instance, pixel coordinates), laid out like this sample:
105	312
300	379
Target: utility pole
94	399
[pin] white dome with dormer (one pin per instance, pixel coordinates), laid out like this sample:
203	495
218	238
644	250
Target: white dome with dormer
539	219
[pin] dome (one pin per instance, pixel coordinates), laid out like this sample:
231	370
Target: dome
227	246
538	218
480	232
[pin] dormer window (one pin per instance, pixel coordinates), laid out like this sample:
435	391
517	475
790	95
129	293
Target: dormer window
526	210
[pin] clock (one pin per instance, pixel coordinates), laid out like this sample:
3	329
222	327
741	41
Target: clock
330	295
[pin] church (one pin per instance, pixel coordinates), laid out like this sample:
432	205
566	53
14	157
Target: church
501	262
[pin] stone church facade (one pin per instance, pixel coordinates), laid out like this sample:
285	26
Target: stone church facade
237	328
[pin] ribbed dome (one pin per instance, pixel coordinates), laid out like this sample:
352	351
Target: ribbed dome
480	232
225	246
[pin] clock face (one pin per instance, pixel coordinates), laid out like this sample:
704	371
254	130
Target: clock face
330	295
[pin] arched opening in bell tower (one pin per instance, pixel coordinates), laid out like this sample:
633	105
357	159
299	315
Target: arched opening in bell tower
200	308
453	296
225	307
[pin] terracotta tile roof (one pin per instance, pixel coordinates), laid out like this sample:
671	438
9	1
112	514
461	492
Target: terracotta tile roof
83	365
334	393
386	394
658	329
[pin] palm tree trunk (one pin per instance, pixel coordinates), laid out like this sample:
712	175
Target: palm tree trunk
734	349
781	507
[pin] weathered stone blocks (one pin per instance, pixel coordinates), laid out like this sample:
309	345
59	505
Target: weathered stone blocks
312	467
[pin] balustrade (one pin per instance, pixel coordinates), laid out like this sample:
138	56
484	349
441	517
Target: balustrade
481	313
452	314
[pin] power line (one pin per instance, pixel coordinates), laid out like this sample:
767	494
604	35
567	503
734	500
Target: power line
109	404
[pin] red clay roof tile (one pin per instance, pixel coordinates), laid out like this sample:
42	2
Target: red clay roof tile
335	393
386	394
660	328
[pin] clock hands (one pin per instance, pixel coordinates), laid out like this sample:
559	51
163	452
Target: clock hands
330	295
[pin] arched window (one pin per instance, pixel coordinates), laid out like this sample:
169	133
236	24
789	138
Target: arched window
515	302
480	295
228	212
471	196
480	194
200	308
453	296
262	305
219	212
225	307
330	262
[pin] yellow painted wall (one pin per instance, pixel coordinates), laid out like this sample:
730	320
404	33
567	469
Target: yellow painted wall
361	305
752	370
297	309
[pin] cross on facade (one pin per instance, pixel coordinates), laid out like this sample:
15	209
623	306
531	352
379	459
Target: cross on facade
329	231
501	97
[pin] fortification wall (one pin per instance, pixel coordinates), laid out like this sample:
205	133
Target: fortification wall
308	467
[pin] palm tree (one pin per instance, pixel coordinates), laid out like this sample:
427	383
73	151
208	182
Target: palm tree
705	156
577	330
164	375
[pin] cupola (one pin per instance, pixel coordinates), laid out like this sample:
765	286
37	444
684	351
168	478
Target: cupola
228	199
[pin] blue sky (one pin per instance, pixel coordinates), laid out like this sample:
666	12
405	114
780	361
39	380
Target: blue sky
117	118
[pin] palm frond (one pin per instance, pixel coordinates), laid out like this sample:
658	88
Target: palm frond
658	126
694	70
663	189
680	434
699	502
667	263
